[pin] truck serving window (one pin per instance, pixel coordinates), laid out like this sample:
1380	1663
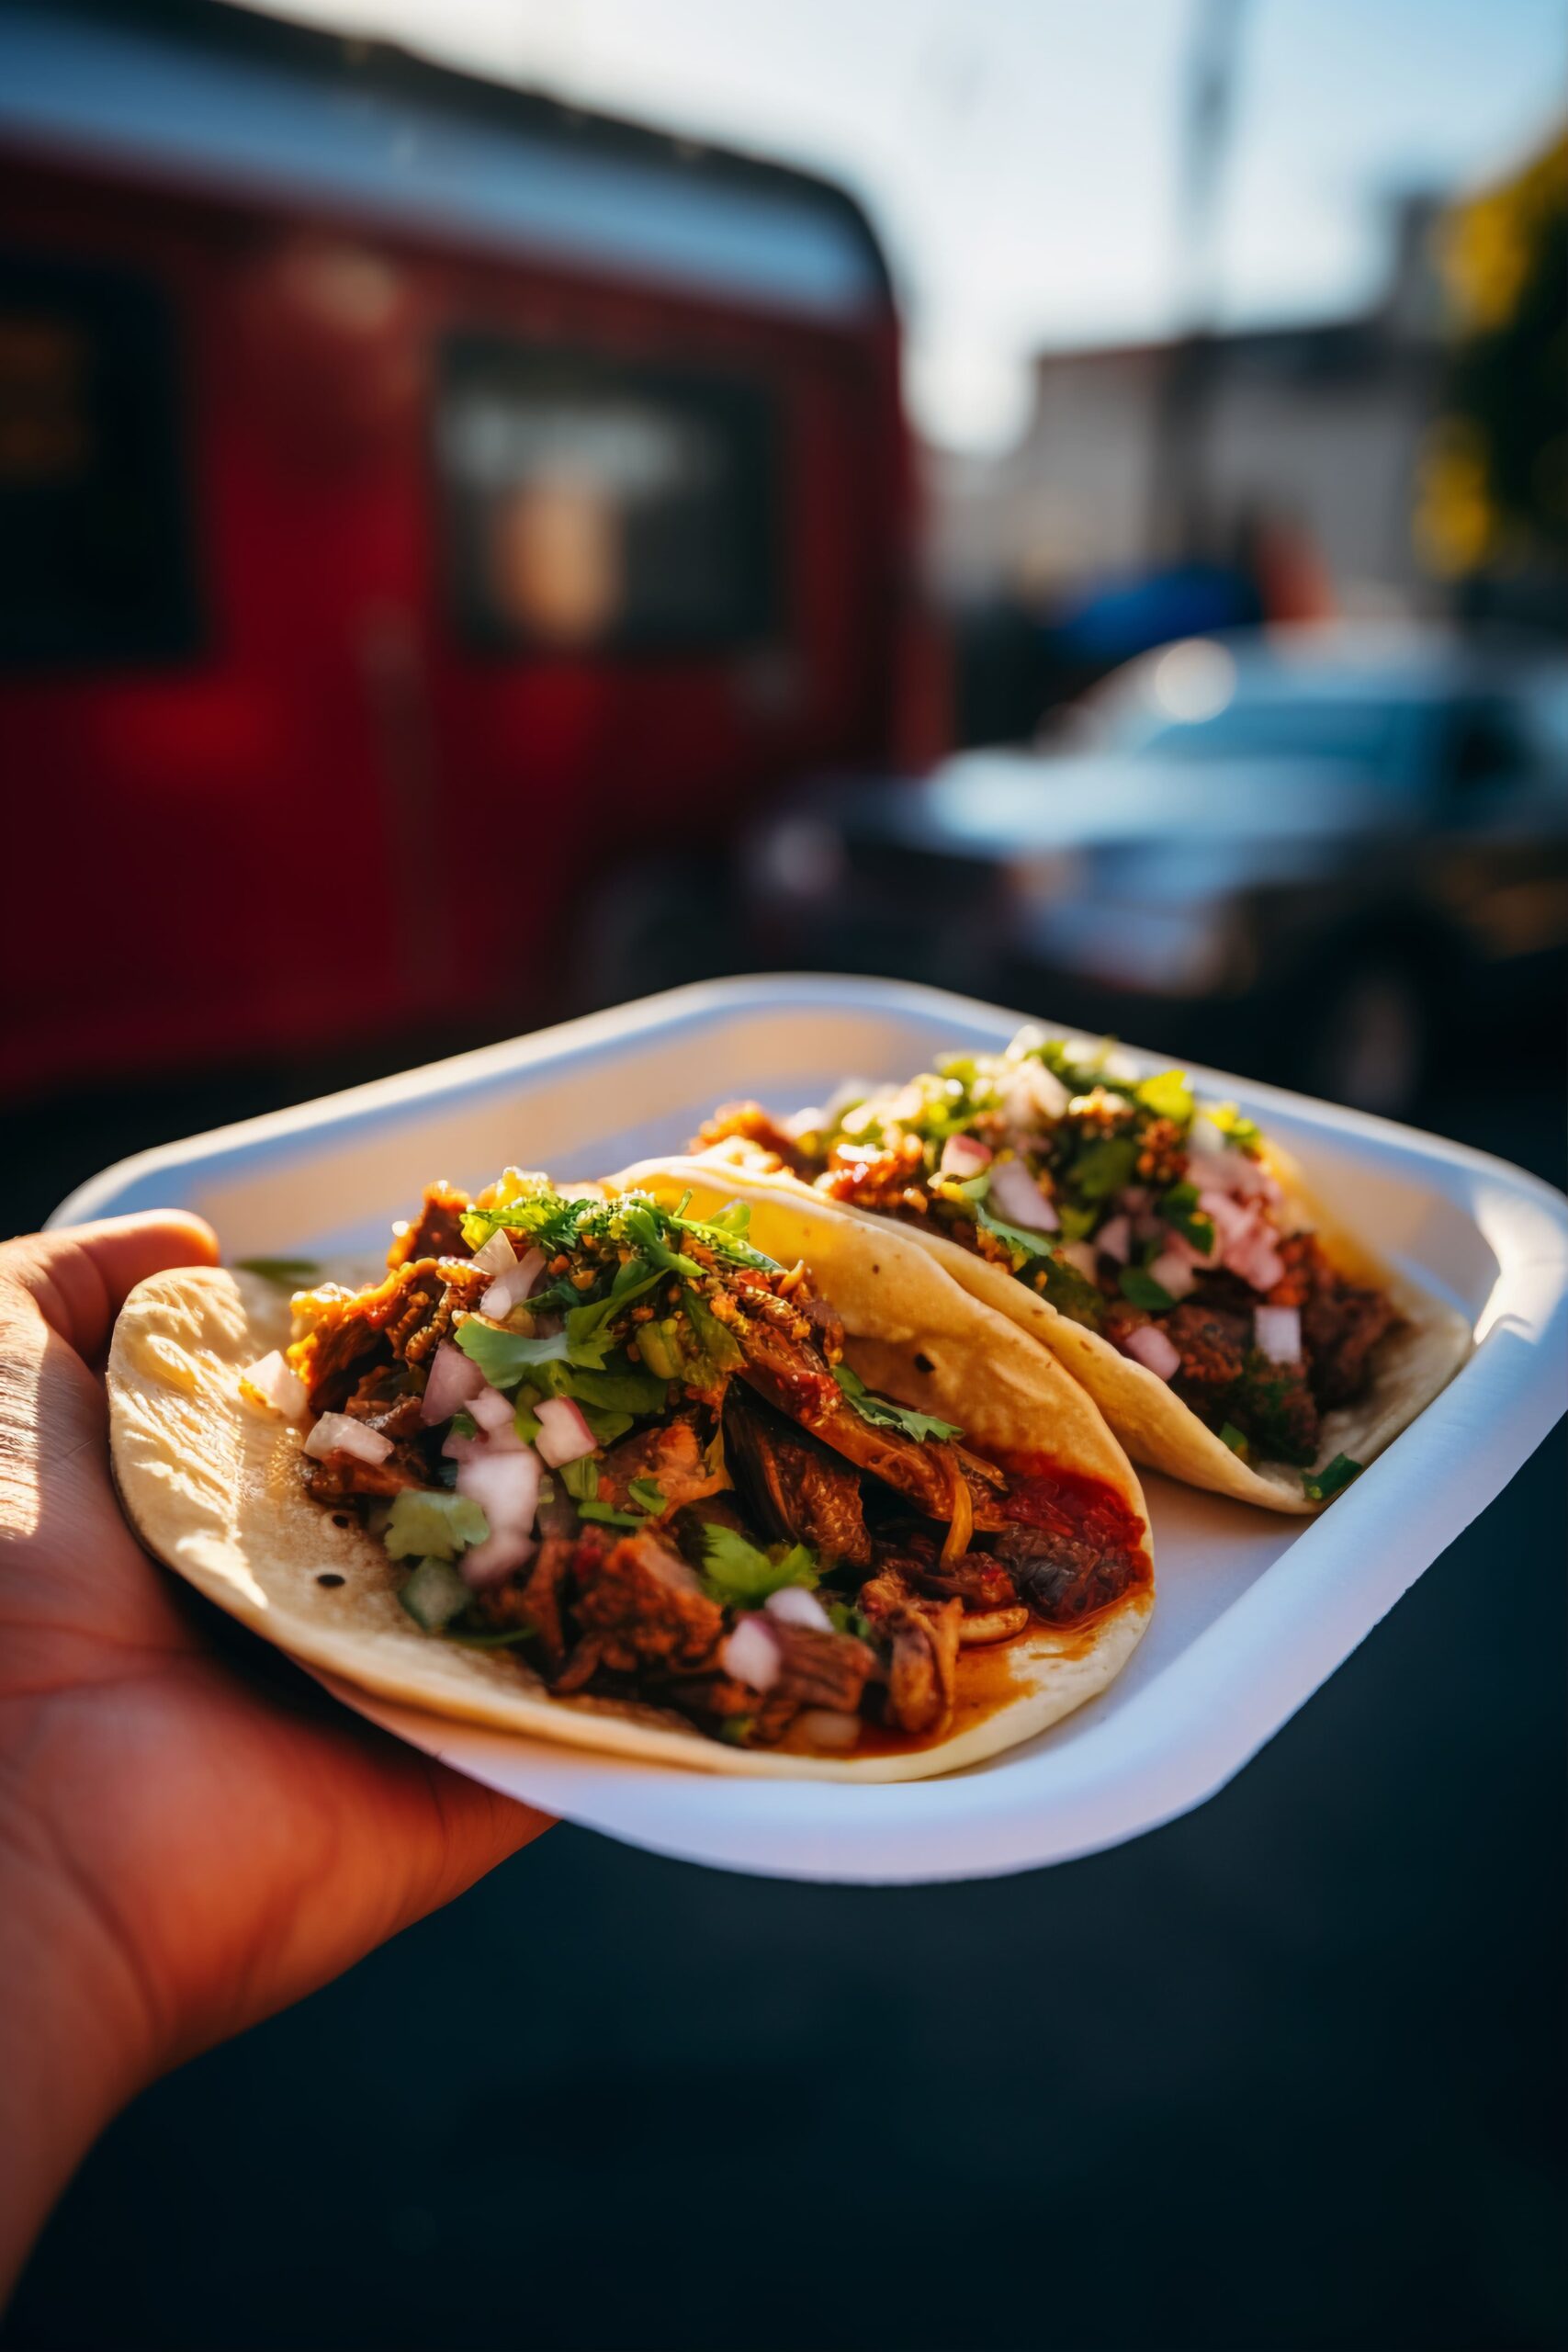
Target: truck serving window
94	548
601	507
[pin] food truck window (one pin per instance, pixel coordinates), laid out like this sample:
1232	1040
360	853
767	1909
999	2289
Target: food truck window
95	551
593	505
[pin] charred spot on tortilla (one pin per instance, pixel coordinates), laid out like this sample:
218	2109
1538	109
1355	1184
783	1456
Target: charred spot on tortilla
637	1472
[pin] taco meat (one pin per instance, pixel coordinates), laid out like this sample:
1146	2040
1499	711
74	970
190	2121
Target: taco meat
626	1444
1128	1207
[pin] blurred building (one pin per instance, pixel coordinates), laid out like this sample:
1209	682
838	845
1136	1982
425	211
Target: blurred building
1305	450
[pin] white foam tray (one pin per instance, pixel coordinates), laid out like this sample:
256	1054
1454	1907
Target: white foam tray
1253	1610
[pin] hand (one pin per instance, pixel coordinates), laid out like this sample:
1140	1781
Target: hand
191	1833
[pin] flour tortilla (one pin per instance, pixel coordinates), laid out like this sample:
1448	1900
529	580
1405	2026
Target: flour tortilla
213	1486
1411	1365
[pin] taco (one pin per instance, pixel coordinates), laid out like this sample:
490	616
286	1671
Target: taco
1159	1247
702	1472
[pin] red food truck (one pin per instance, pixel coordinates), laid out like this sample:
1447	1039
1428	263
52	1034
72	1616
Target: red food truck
430	519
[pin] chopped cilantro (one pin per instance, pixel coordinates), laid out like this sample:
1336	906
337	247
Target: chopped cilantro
1176	1208
581	1478
727	1233
1141	1290
847	1618
677	1346
504	1356
1318	1485
425	1525
718	1344
1022	1243
289	1274
1103	1170
648	1495
1070	1292
549	1222
740	1576
1236	1439
434	1595
882	1414
463	1424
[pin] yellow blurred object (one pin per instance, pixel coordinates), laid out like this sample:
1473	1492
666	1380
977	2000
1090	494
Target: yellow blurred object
1455	521
1485	248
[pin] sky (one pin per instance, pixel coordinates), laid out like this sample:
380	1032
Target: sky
1022	159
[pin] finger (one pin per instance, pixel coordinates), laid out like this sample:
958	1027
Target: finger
79	1277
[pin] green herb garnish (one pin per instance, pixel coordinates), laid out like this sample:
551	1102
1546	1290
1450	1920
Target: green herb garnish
1141	1290
1177	1208
434	1595
581	1478
739	1575
1236	1439
1319	1485
425	1525
882	1414
1105	1169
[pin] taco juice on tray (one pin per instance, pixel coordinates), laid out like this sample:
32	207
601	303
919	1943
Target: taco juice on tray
1157	1246
598	1466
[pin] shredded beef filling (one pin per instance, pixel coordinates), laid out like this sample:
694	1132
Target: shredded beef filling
763	1446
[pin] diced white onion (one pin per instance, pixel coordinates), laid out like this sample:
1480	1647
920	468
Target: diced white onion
793	1605
1230	1224
1174	1272
964	1156
499	1556
751	1654
509	1290
492	1409
826	1728
1016	1196
498	1256
463	1448
1230	1171
338	1433
277	1385
1115	1237
1083	1255
504	1486
454	1379
564	1436
1149	1345
1277	1330
1035	1094
1204	1136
